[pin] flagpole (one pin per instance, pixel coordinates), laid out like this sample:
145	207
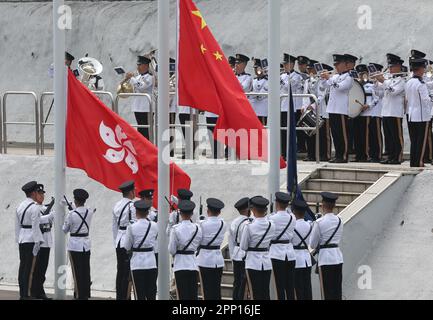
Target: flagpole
59	149
163	148
274	137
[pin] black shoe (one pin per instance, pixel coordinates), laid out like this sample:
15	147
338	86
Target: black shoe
394	162
333	160
309	159
385	161
374	160
340	161
43	297
324	159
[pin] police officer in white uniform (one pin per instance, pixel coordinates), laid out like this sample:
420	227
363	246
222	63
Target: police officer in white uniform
28	234
147	196
300	242
77	223
256	240
260	85
298	85
338	107
236	254
184	241
281	251
325	238
325	142
393	109
142	83
123	216
46	222
141	239
210	259
175	217
245	79
419	112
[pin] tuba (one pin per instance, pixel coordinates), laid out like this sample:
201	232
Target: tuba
89	67
125	87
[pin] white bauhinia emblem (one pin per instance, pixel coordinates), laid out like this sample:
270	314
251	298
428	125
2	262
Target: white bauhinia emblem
121	149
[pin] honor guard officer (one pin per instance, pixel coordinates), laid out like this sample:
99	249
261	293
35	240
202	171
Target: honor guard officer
123	216
140	238
245	79
286	78
236	253
419	112
281	251
184	241
393	109
300	241
46	222
260	85
147	196
338	107
175	216
210	259
325	238
256	239
298	85
77	223
142	83
28	234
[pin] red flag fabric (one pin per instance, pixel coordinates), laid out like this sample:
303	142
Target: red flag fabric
108	149
207	82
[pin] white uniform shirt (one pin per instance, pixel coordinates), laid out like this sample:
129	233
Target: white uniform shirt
393	97
323	228
122	220
260	103
251	236
322	92
303	256
47	221
31	218
372	100
311	87
281	251
133	238
209	228
143	83
235	235
181	234
185	110
285	89
418	101
246	81
339	87
72	224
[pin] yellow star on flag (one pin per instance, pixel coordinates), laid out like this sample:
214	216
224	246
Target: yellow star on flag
203	49
218	55
198	14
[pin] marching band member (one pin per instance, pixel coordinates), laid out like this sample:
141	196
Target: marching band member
325	143
260	85
350	64
298	85
245	79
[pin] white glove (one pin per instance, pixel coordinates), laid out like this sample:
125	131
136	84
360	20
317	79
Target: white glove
36	248
174	199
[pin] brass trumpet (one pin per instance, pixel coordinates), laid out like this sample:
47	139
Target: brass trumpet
125	86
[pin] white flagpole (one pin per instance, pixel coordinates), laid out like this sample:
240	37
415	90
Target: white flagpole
59	148
163	148
274	137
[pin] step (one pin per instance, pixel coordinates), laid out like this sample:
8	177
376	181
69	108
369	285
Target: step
350	174
338	185
343	197
228	265
338	207
227	277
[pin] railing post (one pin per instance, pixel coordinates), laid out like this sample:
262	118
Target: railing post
1	123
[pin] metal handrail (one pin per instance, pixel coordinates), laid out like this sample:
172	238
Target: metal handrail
42	120
106	93
1	124
151	117
5	122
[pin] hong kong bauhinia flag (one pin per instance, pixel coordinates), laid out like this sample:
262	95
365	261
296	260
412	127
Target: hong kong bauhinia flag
207	82
107	148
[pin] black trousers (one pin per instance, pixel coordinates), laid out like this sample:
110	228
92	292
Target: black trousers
428	154
375	139
142	119
311	146
303	284
183	119
393	131
26	261
214	143
122	277
187	285
37	288
211	285
338	124
325	146
301	137
240	280
283	122
351	135
145	283
332	278
81	264
260	280
418	132
360	135
284	274
263	120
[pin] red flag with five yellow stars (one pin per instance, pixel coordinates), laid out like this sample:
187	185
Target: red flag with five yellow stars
206	82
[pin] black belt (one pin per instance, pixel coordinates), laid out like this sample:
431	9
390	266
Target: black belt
142	249
123	228
238	244
258	249
210	247
280	242
26	226
185	252
368	94
45	231
300	247
79	235
329	246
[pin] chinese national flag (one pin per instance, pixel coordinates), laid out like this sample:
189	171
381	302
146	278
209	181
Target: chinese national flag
207	82
107	148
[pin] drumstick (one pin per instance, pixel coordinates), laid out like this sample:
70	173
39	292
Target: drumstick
359	103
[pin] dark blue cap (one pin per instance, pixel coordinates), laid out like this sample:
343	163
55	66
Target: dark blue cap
259	202
184	194
142	205
243	203
147	193
300	205
214	204
329	197
282	197
186	206
127	186
81	194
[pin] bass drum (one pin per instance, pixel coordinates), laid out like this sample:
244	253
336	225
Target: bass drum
357	98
